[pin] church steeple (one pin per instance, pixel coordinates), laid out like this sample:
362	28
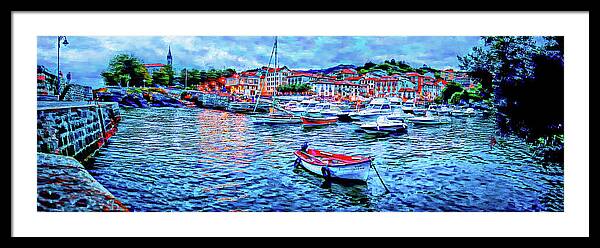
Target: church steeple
169	57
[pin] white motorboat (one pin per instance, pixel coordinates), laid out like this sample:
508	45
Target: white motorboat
433	109
304	106
419	111
377	107
429	120
399	114
470	112
383	124
290	105
326	109
444	110
458	112
408	106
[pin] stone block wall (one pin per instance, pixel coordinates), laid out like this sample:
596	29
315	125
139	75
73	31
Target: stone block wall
76	92
76	131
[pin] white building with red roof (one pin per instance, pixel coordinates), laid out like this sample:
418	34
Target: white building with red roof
273	77
337	89
153	67
345	73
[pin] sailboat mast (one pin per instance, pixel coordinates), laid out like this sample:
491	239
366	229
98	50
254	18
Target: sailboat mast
268	67
275	73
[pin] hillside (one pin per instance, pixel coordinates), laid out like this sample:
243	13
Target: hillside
330	69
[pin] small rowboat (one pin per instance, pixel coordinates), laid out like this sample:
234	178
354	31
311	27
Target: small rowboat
318	121
334	166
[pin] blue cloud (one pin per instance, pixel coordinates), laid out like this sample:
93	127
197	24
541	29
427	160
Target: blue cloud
87	56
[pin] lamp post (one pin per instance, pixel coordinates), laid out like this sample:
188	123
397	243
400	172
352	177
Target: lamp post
65	42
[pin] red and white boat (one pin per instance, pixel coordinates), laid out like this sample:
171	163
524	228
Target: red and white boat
330	166
318	121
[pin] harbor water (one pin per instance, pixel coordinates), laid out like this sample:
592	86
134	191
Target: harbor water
187	159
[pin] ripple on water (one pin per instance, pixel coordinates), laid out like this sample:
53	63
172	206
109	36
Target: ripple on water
169	159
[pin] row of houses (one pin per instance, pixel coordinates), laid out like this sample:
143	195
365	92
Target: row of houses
345	83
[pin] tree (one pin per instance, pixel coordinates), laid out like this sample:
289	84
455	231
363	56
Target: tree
161	77
449	91
123	69
524	76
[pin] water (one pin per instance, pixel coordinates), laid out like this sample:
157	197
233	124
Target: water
181	159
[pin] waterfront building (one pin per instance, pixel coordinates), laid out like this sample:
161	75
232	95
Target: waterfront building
464	79
369	83
337	89
432	89
246	83
232	84
296	77
343	74
273	77
157	66
153	67
447	74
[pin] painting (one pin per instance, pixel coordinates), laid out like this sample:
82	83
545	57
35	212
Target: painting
300	124
303	123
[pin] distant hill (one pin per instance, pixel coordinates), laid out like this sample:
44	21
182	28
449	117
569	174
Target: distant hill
330	69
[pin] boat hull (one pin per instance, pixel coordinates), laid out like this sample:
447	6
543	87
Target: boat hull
428	122
354	172
310	121
266	120
374	130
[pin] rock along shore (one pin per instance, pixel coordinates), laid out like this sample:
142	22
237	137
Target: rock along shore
64	185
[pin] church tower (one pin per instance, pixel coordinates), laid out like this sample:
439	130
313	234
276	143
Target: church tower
169	57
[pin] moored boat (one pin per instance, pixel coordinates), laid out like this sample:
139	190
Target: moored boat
444	110
408	106
470	112
433	109
377	107
333	166
419	111
276	119
458	112
428	120
304	106
318	121
384	125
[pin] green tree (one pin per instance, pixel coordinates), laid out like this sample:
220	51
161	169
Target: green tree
163	76
123	69
450	89
522	72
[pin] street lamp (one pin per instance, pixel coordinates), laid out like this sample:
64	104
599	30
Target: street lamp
65	42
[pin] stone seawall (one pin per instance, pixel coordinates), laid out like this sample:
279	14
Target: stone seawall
76	92
69	133
65	186
75	129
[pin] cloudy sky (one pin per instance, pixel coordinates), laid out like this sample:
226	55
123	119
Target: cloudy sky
87	56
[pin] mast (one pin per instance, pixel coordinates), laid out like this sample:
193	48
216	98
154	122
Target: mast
273	51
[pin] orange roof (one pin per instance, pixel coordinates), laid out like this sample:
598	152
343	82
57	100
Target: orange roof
154	65
353	78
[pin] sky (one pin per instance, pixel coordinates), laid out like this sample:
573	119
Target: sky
87	56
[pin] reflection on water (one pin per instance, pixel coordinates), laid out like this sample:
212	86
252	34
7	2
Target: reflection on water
168	159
